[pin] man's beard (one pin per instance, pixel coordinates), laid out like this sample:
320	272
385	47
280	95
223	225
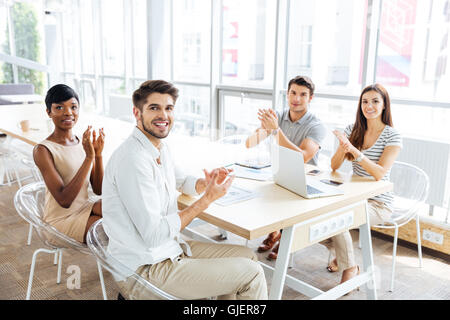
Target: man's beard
149	131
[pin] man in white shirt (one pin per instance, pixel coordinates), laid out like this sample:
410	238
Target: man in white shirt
142	221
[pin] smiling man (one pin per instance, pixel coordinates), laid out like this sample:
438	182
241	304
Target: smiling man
142	220
297	129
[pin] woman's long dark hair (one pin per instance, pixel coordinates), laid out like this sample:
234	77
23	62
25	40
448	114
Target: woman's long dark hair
360	127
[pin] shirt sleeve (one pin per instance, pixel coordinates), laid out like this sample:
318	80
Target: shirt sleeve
317	133
394	138
140	195
184	183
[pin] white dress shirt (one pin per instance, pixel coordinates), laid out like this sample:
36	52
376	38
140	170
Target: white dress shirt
140	212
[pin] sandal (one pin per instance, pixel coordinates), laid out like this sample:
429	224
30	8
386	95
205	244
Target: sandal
352	275
333	266
269	242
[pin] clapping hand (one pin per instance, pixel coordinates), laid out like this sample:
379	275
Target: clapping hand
222	174
216	189
344	143
98	142
87	143
268	118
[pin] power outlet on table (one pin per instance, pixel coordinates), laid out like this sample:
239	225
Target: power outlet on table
433	236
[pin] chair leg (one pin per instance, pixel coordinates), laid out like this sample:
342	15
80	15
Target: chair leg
102	281
17	177
58	278
55	259
419	242
291	261
30	234
33	264
394	255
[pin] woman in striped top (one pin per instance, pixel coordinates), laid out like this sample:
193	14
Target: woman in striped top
372	144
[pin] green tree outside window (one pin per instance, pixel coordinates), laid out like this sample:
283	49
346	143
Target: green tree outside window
27	42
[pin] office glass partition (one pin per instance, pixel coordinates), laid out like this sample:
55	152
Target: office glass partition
239	111
112	86
192	111
315	30
191	40
248	42
113	37
413	49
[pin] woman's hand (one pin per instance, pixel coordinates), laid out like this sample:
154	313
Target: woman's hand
268	118
87	144
345	144
98	143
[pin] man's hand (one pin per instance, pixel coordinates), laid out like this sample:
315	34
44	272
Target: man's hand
203	183
268	118
214	189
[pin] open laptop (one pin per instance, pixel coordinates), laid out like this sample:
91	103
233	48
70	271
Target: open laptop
289	172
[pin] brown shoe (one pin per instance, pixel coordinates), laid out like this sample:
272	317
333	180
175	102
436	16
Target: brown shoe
274	253
270	241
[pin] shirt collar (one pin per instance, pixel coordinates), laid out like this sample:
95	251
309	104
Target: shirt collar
148	145
305	117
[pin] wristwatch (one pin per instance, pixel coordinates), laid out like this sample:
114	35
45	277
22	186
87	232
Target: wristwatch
274	132
360	157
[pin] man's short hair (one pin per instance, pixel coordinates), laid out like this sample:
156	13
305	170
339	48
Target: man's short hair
151	86
303	81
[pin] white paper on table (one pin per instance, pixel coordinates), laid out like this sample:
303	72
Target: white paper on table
254	174
236	194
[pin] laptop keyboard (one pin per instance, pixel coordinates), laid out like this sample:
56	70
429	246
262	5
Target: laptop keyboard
312	190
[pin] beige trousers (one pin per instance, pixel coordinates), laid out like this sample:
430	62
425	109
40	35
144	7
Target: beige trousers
343	243
214	270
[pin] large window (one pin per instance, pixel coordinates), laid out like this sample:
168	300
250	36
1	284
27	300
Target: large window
413	49
113	38
21	26
191	40
325	42
248	42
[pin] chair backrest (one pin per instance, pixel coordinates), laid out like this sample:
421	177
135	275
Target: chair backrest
29	202
97	242
411	186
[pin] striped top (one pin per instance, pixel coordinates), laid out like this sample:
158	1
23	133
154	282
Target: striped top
388	137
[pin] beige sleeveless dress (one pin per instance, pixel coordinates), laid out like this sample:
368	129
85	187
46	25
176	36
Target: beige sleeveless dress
71	221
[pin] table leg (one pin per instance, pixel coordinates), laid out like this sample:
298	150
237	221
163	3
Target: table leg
281	265
368	265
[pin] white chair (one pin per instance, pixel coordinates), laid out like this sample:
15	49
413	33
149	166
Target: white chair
8	163
411	185
97	241
29	203
38	178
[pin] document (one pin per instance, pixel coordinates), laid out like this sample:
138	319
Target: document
236	194
254	174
